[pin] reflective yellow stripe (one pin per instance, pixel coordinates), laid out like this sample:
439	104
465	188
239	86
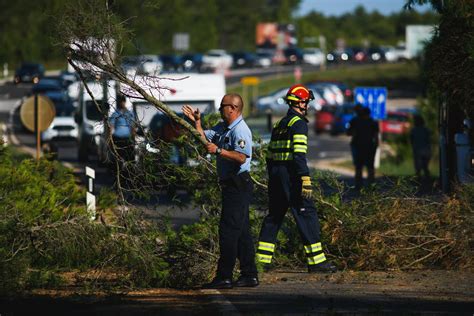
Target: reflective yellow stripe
280	144
300	148
282	156
264	258
313	248
316	259
293	120
266	246
300	138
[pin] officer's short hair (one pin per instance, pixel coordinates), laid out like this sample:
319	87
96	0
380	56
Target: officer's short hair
239	102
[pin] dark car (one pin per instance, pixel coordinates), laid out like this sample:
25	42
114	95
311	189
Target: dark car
171	62
62	103
192	62
359	54
48	84
243	60
342	116
29	72
293	55
376	54
340	55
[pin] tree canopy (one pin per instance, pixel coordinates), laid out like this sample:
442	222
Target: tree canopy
28	34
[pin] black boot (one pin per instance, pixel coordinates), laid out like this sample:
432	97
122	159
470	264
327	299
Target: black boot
218	284
323	267
245	281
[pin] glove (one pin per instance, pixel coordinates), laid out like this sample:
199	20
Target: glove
306	187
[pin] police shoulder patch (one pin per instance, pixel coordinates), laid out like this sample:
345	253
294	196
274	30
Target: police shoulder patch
241	143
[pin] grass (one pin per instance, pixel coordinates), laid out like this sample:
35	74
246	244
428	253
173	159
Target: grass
389	168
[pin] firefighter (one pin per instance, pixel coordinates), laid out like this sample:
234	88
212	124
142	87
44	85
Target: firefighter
290	185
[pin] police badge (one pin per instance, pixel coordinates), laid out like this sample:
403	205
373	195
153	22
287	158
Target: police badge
241	143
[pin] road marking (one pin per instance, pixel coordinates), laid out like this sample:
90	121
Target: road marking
224	305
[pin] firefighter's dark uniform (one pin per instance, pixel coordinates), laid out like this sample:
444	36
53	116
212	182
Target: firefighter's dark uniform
235	239
286	163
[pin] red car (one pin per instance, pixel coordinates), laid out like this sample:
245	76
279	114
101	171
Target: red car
324	119
396	123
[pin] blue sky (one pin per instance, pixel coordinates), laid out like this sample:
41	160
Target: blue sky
338	7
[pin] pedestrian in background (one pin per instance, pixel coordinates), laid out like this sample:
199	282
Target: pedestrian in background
122	123
289	185
420	138
365	139
231	142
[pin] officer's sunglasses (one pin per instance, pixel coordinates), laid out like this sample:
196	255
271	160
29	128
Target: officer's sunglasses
223	105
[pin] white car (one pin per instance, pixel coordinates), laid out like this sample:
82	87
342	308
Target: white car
217	59
275	102
313	56
62	127
394	54
149	65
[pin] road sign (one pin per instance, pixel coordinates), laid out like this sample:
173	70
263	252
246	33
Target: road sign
375	98
46	113
250	81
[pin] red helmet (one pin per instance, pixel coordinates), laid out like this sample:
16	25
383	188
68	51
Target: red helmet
298	93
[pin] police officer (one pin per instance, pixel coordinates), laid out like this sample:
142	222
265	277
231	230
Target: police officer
231	142
290	185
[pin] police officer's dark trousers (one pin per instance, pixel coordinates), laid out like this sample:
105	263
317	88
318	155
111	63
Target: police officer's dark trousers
284	192
235	240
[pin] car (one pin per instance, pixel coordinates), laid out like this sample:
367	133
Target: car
324	118
313	56
342	116
395	123
63	125
376	54
360	54
171	63
142	65
340	55
275	102
394	54
244	59
263	59
329	92
293	55
48	84
29	72
191	62
216	59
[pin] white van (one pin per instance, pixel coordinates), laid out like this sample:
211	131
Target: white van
203	91
90	119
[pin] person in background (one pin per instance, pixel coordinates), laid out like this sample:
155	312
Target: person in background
231	142
420	138
365	138
122	124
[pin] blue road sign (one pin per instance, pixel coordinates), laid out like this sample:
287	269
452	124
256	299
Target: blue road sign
374	98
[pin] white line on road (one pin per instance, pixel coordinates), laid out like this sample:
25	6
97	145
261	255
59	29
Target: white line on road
224	305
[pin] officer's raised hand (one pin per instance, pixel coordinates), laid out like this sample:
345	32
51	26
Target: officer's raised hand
306	187
193	114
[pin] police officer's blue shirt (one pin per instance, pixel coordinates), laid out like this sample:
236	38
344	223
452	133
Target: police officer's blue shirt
237	137
122	123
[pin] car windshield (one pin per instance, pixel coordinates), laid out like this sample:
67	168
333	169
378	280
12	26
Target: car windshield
63	108
93	113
